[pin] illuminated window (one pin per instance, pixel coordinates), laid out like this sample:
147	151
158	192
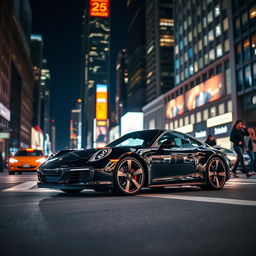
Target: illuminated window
166	22
253	47
225	24
205	40
192	118
191	69
217	10
200	45
226	45
205	114
210	36
211	55
219	50
221	109
176	49
166	40
198	117
200	63
209	17
199	27
186	120
228	78
246	49
204	22
181	122
247	76
195	66
175	124
218	30
252	14
190	36
213	111
206	59
171	125
229	106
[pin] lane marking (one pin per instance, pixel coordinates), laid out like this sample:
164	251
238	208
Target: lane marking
204	199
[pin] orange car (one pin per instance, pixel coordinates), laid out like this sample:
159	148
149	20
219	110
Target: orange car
26	160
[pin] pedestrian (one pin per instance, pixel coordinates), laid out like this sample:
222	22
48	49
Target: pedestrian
1	162
211	140
252	148
237	137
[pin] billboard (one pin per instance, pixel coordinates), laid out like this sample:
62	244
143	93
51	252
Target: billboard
175	107
101	102
131	121
99	8
211	90
100	134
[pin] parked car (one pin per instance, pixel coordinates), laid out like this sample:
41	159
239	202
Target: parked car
149	158
26	160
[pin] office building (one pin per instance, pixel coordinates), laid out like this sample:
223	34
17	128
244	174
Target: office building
95	71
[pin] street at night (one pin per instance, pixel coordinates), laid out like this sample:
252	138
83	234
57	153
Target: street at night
174	221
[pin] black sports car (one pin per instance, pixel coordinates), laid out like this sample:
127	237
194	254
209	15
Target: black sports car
149	158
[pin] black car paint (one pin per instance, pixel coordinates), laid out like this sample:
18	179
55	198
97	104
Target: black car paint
175	166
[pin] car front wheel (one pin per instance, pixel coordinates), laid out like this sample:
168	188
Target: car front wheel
129	176
216	174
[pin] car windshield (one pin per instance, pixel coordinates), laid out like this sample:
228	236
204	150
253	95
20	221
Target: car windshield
141	138
29	153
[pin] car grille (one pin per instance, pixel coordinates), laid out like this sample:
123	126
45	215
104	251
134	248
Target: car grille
78	176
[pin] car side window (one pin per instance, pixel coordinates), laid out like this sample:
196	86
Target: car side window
170	136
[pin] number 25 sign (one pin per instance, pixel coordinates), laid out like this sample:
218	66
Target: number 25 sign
99	8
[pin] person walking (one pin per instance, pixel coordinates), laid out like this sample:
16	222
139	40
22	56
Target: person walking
252	148
237	137
1	162
211	141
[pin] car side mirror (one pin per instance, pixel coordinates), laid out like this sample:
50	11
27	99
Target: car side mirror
168	144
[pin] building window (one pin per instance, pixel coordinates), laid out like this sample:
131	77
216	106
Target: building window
217	10
200	45
221	109
175	124
247	76
181	122
229	106
171	125
209	17
252	15
206	59
213	111
253	40
238	53
244	21
186	120
211	55
246	49
198	117
204	22
205	114
219	50
218	30
195	67
210	36
192	118
190	53
239	79
237	26
228	78
226	45
225	24
200	63
205	41
199	28
190	36
219	69
191	69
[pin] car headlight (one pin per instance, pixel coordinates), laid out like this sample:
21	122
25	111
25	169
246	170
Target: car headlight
40	160
13	160
100	154
232	158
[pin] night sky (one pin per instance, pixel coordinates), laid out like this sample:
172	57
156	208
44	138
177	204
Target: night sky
60	23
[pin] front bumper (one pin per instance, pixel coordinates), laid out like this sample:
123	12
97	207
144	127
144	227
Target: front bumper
74	178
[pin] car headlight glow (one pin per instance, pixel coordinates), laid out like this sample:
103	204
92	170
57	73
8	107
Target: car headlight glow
13	160
100	154
40	160
232	158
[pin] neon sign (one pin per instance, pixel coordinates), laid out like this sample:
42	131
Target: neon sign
99	8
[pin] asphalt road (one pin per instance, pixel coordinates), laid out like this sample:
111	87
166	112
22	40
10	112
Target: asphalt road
175	221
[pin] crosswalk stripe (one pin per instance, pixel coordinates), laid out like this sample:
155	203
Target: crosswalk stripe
203	199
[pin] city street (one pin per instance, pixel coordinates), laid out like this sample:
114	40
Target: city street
175	221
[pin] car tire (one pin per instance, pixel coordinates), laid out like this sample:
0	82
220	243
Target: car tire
129	176
71	191
11	173
216	174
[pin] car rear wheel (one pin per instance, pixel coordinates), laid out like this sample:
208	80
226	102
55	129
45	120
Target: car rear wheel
129	176
71	191
216	174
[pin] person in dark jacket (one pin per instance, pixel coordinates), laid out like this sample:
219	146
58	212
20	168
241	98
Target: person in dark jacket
237	137
211	141
1	162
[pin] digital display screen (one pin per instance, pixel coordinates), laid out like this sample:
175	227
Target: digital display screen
101	102
99	8
175	107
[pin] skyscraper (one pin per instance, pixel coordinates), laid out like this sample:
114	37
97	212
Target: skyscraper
159	47
95	73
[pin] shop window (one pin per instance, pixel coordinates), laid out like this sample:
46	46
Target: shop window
219	50
167	126
226	45
171	125
192	118
205	114
237	26
246	49
198	117
239	79
218	30
186	119
181	122
221	109
225	24
213	111
252	15
175	124
238	53
217	10
254	73
229	106
253	47
247	76
244	19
